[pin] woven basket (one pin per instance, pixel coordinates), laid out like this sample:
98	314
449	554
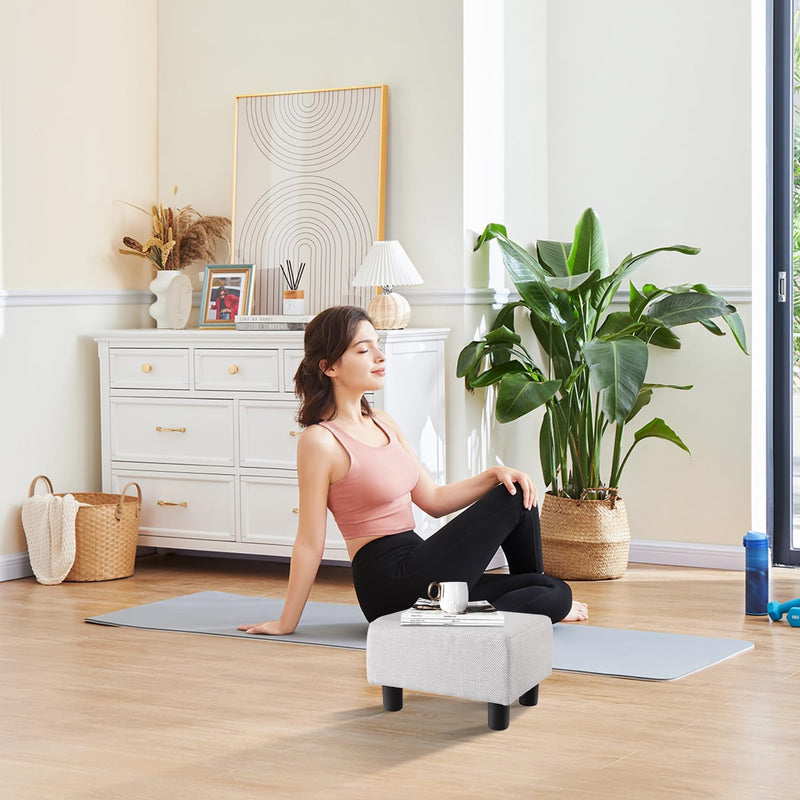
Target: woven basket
106	532
585	540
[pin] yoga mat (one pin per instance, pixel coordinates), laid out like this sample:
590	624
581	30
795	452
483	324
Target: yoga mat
576	647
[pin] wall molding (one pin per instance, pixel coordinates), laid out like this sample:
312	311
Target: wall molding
686	554
75	297
415	296
15	565
643	551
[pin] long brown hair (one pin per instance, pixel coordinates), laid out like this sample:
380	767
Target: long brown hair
327	337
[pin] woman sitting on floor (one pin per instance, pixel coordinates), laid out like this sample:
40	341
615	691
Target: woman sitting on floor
355	461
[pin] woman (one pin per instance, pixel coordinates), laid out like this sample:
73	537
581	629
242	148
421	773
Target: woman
356	462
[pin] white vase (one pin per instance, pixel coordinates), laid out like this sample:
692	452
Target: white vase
173	291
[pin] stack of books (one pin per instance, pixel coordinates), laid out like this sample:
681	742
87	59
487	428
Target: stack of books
427	612
272	322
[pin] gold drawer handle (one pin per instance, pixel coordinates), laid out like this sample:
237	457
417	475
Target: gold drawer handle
167	503
172	430
147	368
233	369
295	511
294	433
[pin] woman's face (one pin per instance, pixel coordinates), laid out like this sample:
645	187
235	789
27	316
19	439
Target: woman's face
362	365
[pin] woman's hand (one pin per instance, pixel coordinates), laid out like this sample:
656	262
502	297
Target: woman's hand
508	477
270	628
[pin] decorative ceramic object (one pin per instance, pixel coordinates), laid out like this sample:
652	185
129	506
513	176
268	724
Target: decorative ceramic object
173	291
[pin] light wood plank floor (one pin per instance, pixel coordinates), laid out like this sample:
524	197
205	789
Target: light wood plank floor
97	712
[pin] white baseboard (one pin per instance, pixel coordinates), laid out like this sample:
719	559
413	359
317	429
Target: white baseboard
643	551
686	554
15	565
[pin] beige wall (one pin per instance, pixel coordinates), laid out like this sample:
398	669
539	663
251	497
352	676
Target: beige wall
78	134
638	109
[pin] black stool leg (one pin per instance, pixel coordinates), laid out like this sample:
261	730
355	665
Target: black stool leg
392	698
498	716
531	697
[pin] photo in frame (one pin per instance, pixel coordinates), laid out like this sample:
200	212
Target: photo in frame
227	294
309	180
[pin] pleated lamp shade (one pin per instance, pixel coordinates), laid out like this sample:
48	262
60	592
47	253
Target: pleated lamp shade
387	265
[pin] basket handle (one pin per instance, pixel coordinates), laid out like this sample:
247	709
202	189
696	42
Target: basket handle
612	494
118	512
40	478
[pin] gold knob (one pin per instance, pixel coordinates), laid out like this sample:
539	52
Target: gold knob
294	433
167	503
295	511
233	369
146	368
173	430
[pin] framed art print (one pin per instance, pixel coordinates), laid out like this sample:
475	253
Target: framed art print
309	187
227	294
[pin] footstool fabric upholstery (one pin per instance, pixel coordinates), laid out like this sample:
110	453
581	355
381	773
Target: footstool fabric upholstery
492	664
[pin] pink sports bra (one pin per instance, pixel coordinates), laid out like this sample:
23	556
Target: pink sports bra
374	497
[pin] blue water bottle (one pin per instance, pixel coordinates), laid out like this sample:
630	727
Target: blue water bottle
756	565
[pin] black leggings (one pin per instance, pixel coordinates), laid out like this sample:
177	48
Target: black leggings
391	572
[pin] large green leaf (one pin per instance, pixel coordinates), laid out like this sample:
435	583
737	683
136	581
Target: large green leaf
659	429
491	231
618	323
571	282
686	307
732	320
646	394
468	357
618	369
518	394
659	336
494	374
554	255
588	251
632	262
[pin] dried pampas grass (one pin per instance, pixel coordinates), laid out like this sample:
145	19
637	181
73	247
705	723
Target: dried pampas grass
179	237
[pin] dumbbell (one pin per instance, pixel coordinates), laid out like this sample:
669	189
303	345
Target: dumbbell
776	610
793	617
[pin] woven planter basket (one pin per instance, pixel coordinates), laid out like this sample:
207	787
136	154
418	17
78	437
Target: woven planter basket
106	533
584	540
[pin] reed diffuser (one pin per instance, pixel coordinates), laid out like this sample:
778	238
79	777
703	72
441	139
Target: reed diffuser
294	299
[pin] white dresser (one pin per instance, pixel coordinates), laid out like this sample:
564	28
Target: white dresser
204	422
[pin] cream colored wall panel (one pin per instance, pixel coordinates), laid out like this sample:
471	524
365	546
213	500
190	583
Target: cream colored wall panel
78	139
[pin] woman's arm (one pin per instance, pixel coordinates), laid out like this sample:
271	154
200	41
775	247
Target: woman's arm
439	501
314	451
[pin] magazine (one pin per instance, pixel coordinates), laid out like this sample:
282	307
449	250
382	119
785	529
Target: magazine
427	612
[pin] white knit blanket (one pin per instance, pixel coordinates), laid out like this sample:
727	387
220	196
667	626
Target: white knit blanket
49	525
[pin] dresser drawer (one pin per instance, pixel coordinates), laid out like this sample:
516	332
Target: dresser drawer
291	361
237	370
268	434
184	506
270	512
165	431
148	368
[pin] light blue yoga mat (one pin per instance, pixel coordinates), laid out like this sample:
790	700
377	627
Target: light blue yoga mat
576	647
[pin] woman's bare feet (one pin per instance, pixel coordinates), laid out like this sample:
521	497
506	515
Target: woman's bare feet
578	612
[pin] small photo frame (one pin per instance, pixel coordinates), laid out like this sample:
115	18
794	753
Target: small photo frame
227	294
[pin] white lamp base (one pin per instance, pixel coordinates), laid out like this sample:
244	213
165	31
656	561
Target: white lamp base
389	311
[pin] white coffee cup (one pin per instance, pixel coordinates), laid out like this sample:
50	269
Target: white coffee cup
453	596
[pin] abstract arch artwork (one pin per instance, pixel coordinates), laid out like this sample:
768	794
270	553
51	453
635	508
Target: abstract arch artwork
309	185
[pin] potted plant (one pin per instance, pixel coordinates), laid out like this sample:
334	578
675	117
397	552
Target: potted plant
590	377
178	237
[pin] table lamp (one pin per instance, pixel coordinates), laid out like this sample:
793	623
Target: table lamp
387	265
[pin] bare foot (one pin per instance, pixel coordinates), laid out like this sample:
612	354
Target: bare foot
578	612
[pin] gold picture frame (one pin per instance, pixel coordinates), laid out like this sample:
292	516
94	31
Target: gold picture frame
309	186
227	294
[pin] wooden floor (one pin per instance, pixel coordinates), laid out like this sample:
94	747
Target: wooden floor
97	712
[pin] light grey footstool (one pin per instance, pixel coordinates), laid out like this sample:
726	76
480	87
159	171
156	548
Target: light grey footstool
495	665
